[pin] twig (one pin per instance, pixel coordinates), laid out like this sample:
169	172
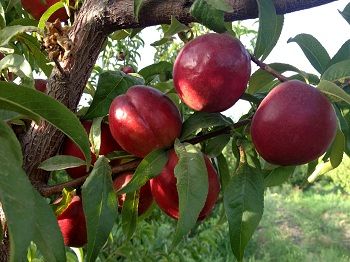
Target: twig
268	69
59	67
222	131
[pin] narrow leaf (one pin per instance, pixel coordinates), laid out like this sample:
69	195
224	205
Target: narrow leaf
278	176
36	104
333	91
313	50
192	186
223	171
337	149
270	28
208	16
244	206
200	120
49	12
149	167
61	162
100	207
130	214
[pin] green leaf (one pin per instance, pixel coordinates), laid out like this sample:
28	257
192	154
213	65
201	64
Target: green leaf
208	16
100	207
61	162
244	206
25	209
251	156
46	15
333	91
18	65
342	54
214	146
337	72
278	176
149	72
200	120
8	32
149	167
130	214
174	28
220	5
110	85
35	49
192	186
36	104
313	50
95	135
346	13
224	171
16	194
337	149
270	28
137	8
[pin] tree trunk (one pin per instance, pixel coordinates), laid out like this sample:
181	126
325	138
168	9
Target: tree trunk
94	22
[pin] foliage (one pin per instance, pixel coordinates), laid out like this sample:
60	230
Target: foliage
245	176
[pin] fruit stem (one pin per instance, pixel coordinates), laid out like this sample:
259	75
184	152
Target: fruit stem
268	69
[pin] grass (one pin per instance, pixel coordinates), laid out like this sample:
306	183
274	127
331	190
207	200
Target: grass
296	226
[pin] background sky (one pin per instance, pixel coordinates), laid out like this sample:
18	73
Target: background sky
323	22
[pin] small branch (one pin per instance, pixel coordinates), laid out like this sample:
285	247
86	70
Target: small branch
59	67
47	191
222	131
268	69
129	166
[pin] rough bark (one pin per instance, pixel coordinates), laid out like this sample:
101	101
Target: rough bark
94	22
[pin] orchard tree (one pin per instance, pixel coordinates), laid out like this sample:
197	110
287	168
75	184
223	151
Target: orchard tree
68	169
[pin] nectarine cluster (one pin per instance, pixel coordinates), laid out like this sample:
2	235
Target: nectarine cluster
294	124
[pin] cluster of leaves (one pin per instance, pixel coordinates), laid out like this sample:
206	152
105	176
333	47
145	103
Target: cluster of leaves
244	176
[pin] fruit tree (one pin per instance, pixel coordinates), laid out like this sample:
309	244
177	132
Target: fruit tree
88	138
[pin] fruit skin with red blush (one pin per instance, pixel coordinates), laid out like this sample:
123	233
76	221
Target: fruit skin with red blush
145	197
72	224
108	145
40	85
128	69
165	194
211	72
37	8
294	124
144	119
